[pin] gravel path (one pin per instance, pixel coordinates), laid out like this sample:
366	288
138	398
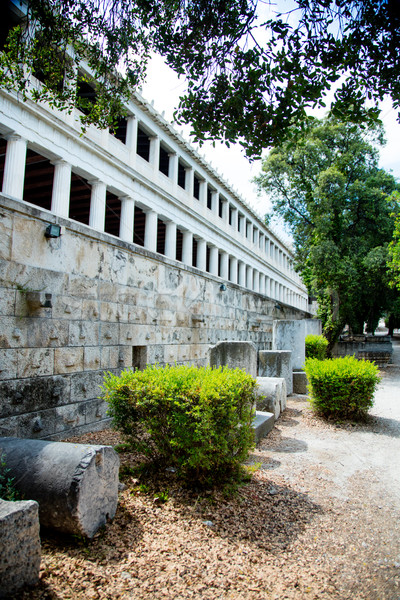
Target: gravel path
319	520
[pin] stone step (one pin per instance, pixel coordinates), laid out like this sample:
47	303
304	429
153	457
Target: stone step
262	424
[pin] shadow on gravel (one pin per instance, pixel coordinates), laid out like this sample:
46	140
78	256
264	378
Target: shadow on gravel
268	516
382	426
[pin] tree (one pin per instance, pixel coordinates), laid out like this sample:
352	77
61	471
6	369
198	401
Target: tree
339	207
394	254
248	80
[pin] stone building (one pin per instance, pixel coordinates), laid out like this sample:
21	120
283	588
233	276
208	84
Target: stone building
117	250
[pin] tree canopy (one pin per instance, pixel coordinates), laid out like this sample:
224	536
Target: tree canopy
340	209
251	72
394	255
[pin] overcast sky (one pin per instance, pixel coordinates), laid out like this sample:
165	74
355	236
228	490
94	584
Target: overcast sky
164	87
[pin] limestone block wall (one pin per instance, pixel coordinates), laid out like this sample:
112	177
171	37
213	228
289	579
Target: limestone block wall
87	302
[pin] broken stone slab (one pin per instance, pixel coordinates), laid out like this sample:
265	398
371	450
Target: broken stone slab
276	363
262	424
271	395
20	546
300	382
76	485
236	355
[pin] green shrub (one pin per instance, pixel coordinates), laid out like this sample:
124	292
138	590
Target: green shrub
316	346
7	489
341	387
196	420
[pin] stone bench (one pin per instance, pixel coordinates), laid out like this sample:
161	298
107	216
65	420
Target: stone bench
20	546
76	485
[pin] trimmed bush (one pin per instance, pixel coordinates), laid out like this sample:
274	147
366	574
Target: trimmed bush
196	420
341	387
316	346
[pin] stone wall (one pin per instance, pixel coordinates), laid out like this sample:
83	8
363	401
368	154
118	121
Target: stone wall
87	302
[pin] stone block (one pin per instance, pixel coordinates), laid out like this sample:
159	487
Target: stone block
7	302
263	423
271	395
90	310
76	485
86	385
313	326
276	363
67	307
47	333
109	334
290	335
8	363
34	393
300	382
6	225
109	357
68	360
20	546
83	333
91	358
242	355
35	362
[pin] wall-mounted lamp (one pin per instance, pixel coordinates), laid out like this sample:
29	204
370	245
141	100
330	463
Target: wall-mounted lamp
53	231
222	287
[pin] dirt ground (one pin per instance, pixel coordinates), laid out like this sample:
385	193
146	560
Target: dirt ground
319	520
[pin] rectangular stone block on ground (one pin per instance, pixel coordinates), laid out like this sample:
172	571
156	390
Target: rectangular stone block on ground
271	395
300	382
276	363
291	335
236	355
20	546
262	424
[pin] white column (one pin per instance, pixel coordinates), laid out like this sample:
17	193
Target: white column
97	205
242	225
234	218
150	232
189	180
256	280
249	278
255	236
201	254
242	274
249	234
267	286
213	260
203	192
234	269
261	243
131	133
154	154
126	224
170	239
262	283
61	188
225	211
225	265
214	201
173	167
14	167
187	248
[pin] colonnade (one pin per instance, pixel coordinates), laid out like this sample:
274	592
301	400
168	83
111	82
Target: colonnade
207	255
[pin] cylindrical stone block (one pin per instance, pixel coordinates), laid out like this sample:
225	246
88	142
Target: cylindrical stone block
76	485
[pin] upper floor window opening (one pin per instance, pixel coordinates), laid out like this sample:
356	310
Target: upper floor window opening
143	144
181	175
163	163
